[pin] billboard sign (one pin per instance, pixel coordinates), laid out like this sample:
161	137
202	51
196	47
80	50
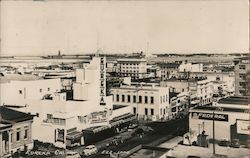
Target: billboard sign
209	116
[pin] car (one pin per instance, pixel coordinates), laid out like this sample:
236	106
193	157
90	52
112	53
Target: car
235	143
72	154
90	150
138	132
192	156
224	142
117	140
132	126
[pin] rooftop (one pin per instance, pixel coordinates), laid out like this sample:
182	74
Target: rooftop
13	115
214	108
17	77
235	100
169	65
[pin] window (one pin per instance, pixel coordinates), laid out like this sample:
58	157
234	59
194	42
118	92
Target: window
49	116
129	98
146	111
152	111
20	92
25	133
11	137
123	98
140	99
18	135
242	67
146	99
134	99
161	111
166	98
163	99
117	97
134	109
152	100
41	90
48	89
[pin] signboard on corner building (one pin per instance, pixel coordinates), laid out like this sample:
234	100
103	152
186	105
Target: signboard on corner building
209	116
102	81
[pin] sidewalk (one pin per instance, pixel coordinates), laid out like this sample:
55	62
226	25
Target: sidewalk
182	151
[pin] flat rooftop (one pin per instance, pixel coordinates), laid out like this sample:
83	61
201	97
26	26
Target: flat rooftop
17	77
222	109
235	100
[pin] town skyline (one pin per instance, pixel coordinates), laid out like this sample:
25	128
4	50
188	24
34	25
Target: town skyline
80	27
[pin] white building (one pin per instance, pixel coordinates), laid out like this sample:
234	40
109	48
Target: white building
231	118
13	91
201	91
64	120
147	101
136	68
190	67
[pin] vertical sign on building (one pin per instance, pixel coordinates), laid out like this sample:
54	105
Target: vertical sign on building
102	81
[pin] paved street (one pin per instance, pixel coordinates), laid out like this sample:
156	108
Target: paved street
163	131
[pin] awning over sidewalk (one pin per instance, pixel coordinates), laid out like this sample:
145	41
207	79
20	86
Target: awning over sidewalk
74	135
122	119
95	129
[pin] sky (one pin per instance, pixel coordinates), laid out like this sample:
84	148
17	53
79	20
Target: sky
163	26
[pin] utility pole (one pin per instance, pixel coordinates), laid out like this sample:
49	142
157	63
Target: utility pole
213	136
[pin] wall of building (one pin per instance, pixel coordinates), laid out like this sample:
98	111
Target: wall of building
154	101
222	128
36	89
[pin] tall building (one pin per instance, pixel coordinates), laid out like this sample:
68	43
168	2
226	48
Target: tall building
242	72
136	68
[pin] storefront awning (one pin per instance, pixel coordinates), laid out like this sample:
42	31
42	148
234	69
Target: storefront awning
95	129
122	119
74	135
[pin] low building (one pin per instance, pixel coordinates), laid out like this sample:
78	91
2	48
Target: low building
146	101
168	70
191	67
24	87
15	131
231	120
179	102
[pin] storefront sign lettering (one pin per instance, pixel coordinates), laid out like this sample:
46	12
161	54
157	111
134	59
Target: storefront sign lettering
102	81
209	116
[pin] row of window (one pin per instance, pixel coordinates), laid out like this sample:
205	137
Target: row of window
40	90
130	71
134	99
146	111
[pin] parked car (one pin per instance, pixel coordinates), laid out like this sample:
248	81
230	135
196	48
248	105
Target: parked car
117	140
132	126
138	132
72	154
90	150
225	143
235	143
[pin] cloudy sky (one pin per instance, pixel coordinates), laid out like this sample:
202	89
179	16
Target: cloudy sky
170	26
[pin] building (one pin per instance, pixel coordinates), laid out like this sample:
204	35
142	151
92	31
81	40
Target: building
231	119
176	85
168	70
66	122
146	101
15	131
179	102
241	69
190	67
136	68
26	87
